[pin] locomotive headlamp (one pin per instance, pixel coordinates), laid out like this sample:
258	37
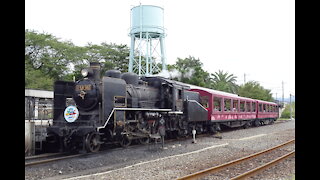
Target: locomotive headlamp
84	72
87	72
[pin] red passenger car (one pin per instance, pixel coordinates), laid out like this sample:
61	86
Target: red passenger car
267	111
232	110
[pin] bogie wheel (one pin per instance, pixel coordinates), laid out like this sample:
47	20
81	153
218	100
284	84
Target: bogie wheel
125	141
257	123
247	125
144	141
271	121
92	142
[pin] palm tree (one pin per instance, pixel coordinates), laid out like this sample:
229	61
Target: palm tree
223	81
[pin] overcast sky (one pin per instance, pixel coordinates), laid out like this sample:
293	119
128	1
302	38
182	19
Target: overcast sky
252	37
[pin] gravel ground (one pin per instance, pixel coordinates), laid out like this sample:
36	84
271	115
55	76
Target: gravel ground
177	159
285	170
238	169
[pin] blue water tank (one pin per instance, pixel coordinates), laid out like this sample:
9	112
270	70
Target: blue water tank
147	19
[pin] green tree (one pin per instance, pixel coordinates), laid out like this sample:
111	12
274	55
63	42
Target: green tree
286	112
253	89
200	78
118	55
186	67
46	53
48	59
35	79
110	56
223	81
191	72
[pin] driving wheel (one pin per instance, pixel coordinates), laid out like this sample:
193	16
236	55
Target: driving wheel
92	142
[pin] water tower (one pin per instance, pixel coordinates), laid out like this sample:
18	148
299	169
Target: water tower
147	40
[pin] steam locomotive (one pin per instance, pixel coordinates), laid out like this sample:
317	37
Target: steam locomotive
121	107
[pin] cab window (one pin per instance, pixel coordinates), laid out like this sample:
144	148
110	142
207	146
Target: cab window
204	101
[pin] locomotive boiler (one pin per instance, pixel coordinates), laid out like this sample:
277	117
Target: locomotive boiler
120	107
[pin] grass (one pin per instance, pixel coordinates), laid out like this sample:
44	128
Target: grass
293	177
283	119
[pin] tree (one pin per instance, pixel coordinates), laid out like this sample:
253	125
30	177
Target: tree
254	90
200	78
48	59
110	56
286	112
118	55
190	71
46	53
35	79
186	67
223	81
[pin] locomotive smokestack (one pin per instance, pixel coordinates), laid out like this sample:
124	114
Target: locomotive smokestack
95	66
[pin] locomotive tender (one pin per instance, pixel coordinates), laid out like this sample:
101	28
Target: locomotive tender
121	107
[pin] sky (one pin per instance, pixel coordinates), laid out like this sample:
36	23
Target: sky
251	38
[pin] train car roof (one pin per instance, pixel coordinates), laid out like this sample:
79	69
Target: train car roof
229	94
168	80
191	86
266	102
212	91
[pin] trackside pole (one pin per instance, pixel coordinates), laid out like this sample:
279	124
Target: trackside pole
194	136
162	139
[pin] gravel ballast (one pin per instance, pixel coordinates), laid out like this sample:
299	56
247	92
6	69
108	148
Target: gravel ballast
177	159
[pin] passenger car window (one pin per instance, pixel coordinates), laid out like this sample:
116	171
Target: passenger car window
227	105
242	104
217	103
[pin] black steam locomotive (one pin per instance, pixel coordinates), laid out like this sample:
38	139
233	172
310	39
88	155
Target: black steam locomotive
120	107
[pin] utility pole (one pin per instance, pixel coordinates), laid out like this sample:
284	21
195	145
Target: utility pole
290	108
244	78
282	94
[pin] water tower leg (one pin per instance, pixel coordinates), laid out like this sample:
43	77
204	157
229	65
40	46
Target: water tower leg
151	60
147	53
131	59
163	53
139	63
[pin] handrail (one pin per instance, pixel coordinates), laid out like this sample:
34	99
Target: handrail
105	124
129	109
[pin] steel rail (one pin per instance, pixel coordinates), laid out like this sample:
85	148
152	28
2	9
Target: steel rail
43	155
230	163
262	167
54	159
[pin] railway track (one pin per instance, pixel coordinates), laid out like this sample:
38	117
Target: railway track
212	170
46	158
51	157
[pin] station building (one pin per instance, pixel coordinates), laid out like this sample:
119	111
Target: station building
38	115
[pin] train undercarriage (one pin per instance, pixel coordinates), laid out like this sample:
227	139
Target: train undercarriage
155	129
